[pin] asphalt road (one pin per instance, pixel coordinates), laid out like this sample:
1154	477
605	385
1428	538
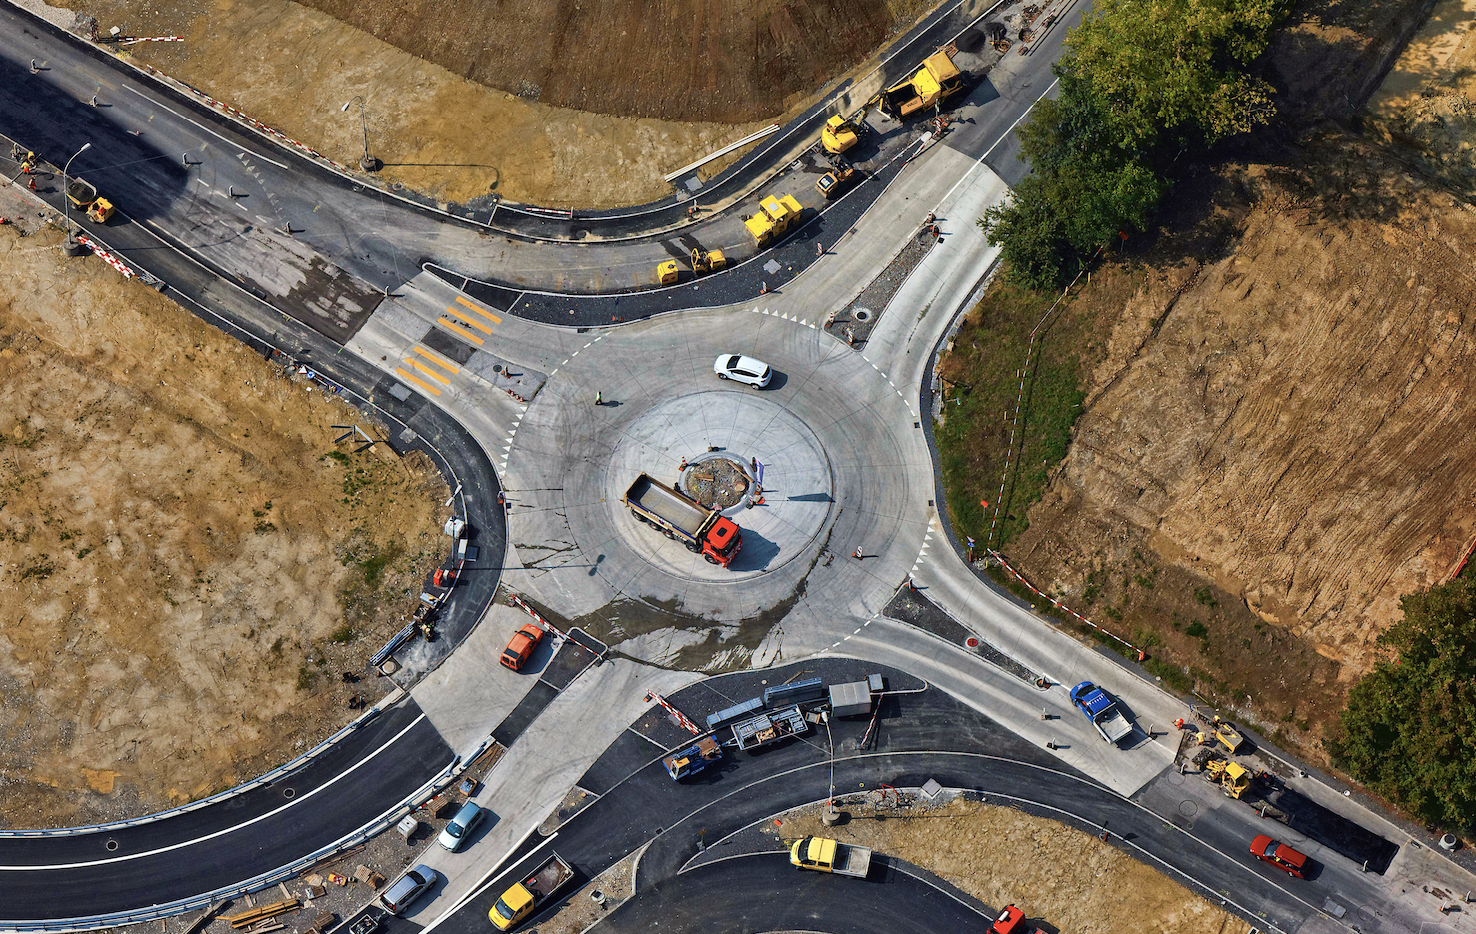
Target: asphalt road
179	857
762	892
646	808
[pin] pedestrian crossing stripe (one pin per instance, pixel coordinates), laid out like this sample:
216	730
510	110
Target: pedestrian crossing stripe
478	309
399	371
453	310
453	326
438	360
428	371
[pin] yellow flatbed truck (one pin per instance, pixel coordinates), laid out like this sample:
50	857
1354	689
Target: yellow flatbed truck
823	854
520	901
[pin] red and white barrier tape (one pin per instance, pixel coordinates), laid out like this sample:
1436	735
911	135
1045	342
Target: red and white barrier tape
1059	605
107	257
523	605
681	717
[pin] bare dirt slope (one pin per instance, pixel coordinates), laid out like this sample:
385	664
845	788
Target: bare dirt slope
187	563
1286	422
730	62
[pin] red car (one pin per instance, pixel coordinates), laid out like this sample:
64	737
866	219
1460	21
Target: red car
520	646
1279	855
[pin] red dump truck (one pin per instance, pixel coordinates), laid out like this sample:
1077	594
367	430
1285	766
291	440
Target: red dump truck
704	531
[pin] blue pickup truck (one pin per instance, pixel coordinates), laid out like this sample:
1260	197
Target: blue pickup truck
1099	707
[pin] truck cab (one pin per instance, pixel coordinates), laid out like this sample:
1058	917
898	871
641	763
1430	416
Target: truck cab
823	854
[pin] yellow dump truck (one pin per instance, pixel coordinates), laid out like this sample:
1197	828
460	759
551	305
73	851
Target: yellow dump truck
84	196
775	218
839	134
936	79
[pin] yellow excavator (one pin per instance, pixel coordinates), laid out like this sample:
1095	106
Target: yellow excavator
839	135
938	78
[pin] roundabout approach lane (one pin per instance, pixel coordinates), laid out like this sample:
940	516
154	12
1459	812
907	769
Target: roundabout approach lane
844	466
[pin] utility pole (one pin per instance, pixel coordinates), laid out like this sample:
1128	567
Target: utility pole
366	162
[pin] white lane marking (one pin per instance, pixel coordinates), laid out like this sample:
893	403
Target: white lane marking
175	846
231	142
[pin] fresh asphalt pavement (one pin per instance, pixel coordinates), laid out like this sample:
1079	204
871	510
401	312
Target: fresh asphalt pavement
638	805
100	872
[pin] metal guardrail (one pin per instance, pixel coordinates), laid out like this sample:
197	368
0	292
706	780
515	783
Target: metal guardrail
264	779
155	912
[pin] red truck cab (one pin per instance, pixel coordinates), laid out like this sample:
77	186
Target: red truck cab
1010	921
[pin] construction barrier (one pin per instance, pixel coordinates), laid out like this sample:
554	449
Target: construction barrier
1061	606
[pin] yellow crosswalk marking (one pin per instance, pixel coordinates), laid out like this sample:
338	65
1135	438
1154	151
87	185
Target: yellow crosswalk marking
479	310
438	360
469	320
453	326
419	382
428	371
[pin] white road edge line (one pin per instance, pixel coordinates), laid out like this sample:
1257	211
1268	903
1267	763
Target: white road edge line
165	849
232	143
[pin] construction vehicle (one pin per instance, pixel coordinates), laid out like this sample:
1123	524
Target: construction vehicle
774	219
1011	920
823	854
834	184
693	759
935	80
704	531
839	134
83	195
766	728
520	901
1219	731
1233	778
668	272
706	261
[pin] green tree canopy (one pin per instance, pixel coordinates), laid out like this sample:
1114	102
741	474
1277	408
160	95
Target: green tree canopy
1141	81
1409	730
1159	66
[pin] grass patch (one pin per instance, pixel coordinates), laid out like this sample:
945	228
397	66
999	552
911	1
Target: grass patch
374	565
981	385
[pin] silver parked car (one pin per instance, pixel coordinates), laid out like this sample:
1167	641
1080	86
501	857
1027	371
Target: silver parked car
755	373
461	826
407	888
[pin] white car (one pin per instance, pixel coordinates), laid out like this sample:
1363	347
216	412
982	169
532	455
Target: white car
755	373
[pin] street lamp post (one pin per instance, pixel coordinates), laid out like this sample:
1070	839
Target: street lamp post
367	162
70	246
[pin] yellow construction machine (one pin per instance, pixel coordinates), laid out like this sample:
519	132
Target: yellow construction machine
1233	778
1222	732
706	261
83	195
839	135
774	219
936	79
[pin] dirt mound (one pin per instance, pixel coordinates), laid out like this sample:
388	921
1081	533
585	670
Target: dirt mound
1284	421
187	561
676	60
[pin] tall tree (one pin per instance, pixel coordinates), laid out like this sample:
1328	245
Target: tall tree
1409	730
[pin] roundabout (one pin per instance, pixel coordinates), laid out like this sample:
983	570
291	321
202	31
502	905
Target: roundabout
760	465
828	458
